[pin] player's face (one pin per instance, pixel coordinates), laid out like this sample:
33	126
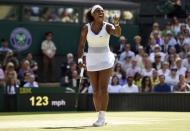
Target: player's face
98	14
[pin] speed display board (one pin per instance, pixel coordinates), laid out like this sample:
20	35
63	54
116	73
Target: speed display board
28	100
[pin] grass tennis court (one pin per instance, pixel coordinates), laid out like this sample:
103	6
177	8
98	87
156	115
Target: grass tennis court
117	121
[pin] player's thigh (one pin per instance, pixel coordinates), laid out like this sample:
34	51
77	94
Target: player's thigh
93	76
104	77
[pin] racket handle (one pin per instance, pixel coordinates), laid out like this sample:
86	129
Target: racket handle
82	72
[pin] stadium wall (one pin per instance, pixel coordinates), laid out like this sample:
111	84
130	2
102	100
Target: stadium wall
142	102
56	99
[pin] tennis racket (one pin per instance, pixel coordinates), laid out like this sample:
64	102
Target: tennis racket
79	88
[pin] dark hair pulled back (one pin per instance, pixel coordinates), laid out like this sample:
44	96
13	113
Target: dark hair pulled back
89	17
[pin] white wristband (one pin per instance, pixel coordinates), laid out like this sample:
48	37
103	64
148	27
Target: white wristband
80	61
116	24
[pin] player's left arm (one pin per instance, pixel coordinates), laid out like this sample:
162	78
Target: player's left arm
116	30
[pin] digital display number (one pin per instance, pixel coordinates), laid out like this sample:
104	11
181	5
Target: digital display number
39	100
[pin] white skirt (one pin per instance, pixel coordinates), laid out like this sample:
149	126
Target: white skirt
99	58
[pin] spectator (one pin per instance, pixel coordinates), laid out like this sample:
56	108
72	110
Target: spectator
168	28
140	55
2	78
123	80
10	71
31	83
186	61
173	78
114	86
185	48
48	49
180	39
162	86
137	44
33	63
183	28
4	46
28	15
147	70
187	76
25	68
157	61
11	57
26	78
72	68
71	77
171	39
118	70
84	85
72	81
65	66
127	52
11	89
180	69
156	38
155	27
134	68
138	79
188	23
164	69
121	74
157	49
149	47
145	59
172	51
154	78
130	87
127	63
46	14
66	17
175	25
187	37
172	60
165	46
146	84
121	47
182	85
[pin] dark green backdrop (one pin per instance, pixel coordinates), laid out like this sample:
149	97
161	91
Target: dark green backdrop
66	36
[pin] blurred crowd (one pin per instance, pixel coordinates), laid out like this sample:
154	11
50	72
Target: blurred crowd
36	13
160	65
70	14
15	72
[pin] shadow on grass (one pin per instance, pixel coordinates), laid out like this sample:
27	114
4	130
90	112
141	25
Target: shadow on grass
67	127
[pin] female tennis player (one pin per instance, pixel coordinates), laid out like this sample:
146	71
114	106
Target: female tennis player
99	58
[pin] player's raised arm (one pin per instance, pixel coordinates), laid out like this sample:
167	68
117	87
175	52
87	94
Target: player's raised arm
116	30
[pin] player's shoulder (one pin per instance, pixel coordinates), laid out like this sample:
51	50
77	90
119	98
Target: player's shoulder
85	27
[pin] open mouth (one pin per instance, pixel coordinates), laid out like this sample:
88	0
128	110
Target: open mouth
101	15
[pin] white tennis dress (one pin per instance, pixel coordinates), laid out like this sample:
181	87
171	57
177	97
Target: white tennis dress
99	56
